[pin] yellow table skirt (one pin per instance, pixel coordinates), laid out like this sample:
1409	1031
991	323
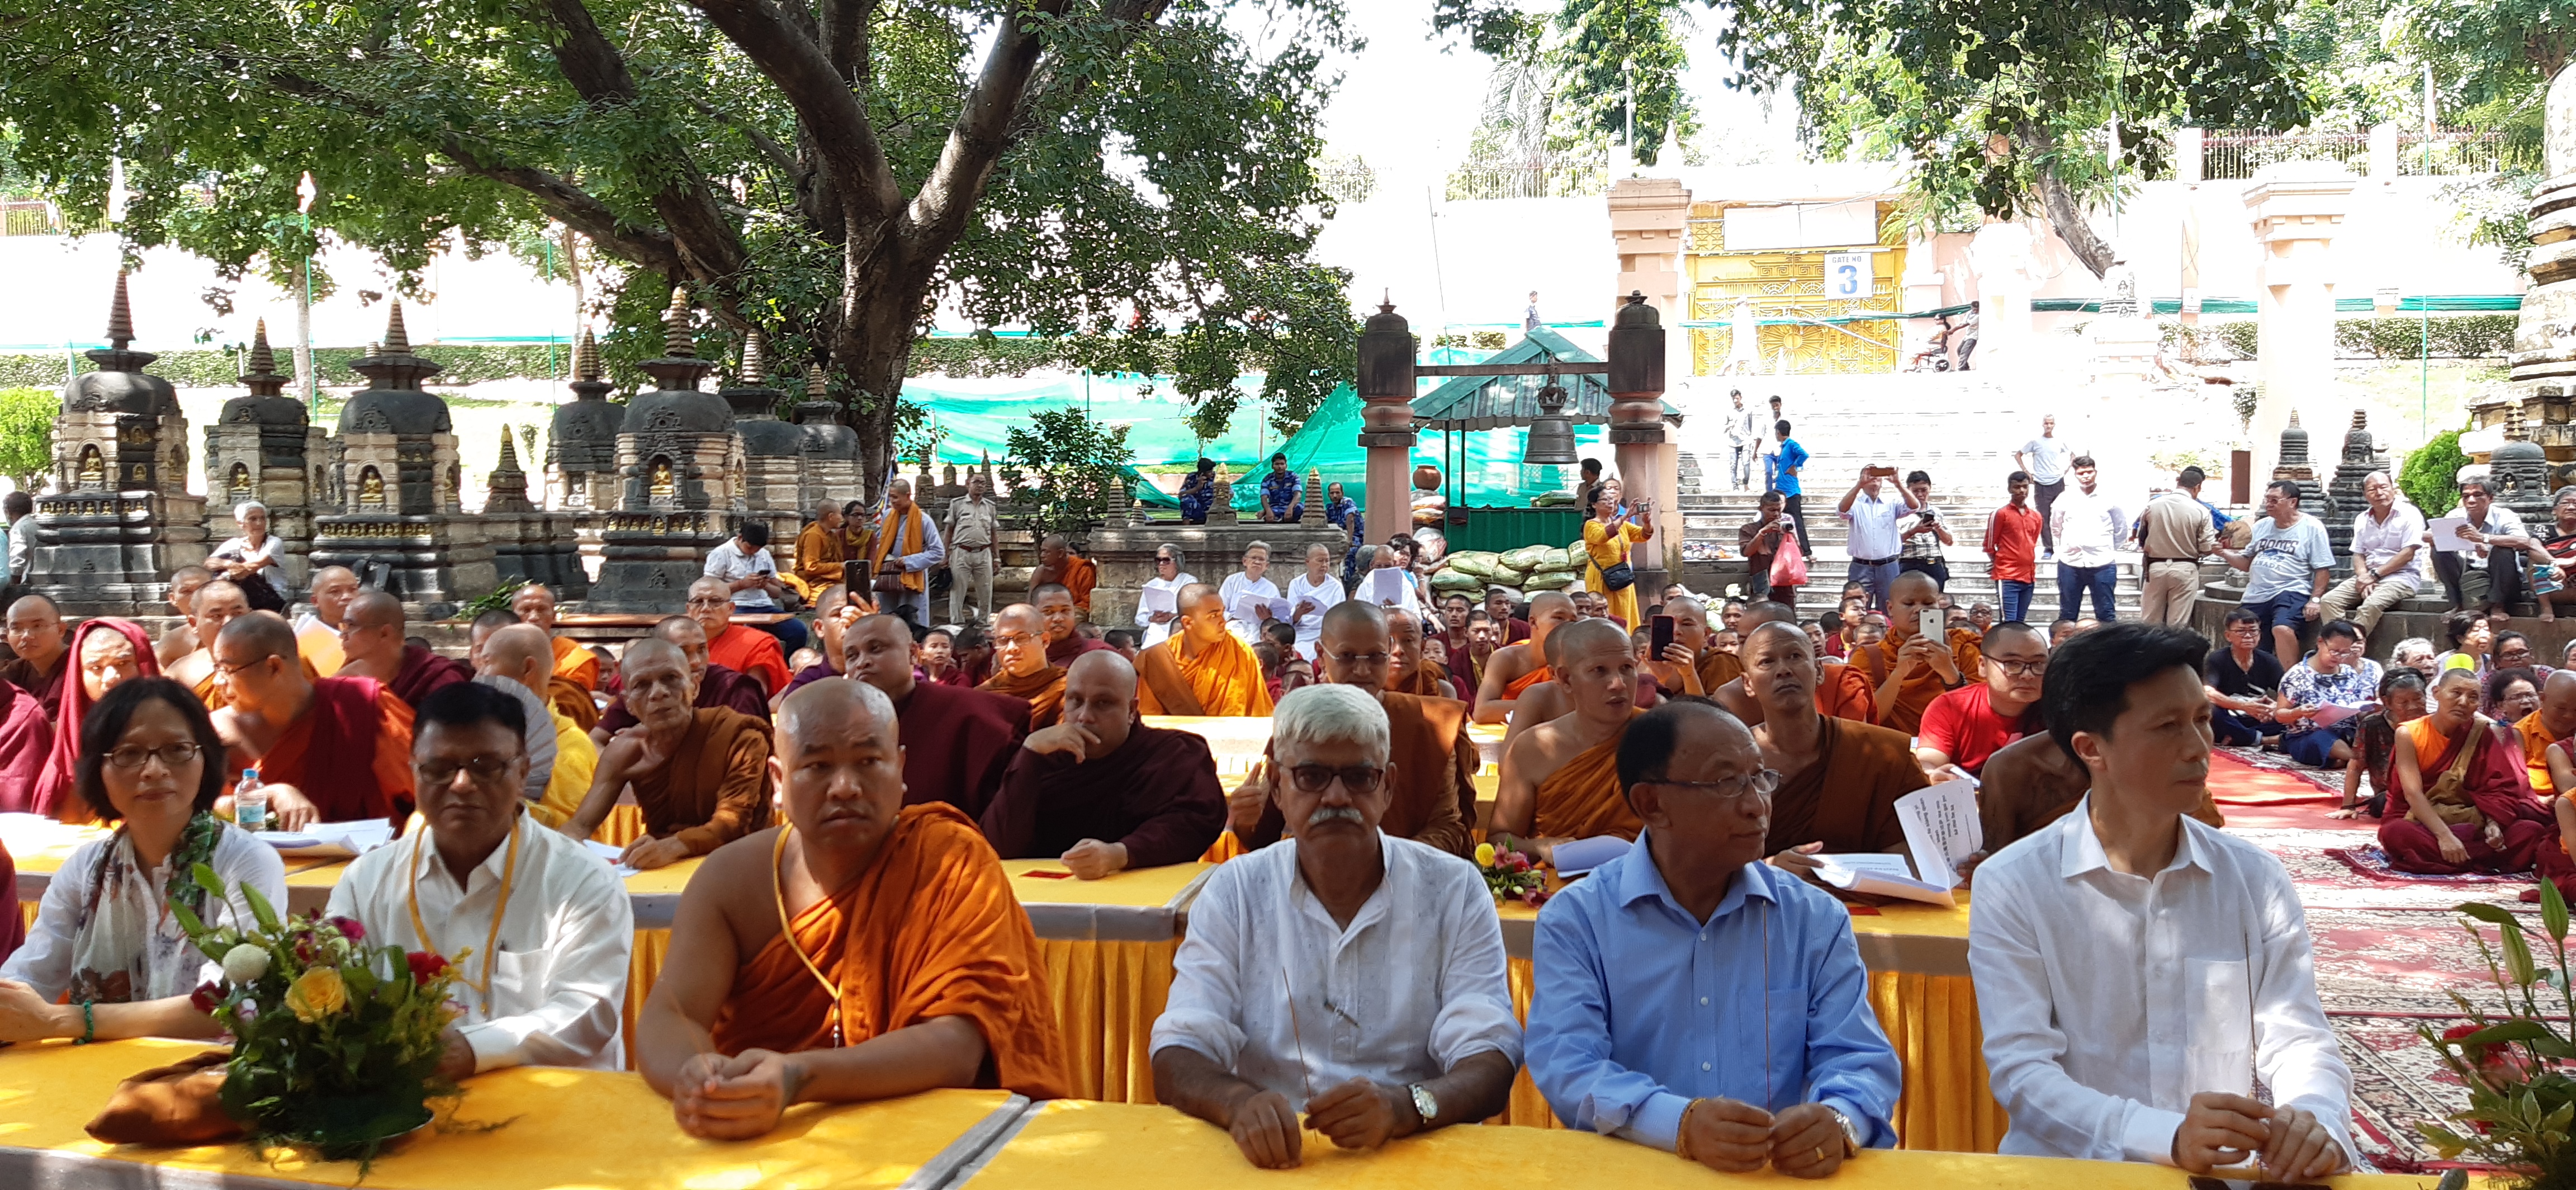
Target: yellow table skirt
1107	997
642	968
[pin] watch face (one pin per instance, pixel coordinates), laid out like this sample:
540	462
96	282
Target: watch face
1423	1104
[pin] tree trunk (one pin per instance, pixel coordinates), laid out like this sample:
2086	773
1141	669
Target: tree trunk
2065	214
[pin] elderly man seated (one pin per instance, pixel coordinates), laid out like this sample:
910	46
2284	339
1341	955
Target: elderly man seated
700	774
1339	915
1688	996
1103	791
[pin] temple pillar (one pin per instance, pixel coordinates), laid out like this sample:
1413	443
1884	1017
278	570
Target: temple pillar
1648	462
1386	421
1650	225
2297	208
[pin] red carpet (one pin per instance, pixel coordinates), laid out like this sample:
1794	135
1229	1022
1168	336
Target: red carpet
2235	781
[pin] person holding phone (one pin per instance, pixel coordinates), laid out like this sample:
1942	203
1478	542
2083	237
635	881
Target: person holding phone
1925	534
1876	517
1920	657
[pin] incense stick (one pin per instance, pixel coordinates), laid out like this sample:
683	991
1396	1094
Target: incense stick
1293	1035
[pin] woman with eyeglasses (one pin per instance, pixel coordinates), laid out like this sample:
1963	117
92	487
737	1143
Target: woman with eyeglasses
106	957
1168	576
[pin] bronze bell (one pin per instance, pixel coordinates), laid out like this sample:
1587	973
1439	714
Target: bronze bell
1551	433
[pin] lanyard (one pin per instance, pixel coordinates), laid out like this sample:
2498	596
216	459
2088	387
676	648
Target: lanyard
787	929
491	942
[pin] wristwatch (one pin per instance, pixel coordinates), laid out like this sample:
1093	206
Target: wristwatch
1423	1104
1851	1135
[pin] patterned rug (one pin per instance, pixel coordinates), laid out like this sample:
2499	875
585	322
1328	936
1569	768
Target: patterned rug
2372	863
2397	1083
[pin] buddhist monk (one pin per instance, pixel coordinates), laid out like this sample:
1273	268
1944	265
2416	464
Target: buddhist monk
1202	668
1561	778
2029	783
700	775
1063	619
957	741
746	650
1020	665
328	749
1059	566
217	603
834	613
576	675
1102	792
1516	668
820	547
181	639
1408	671
372	646
1434	762
1716	666
717	685
1839	779
2468	805
1841	691
516	661
26	744
1906	669
317	632
43	651
2553	720
905	962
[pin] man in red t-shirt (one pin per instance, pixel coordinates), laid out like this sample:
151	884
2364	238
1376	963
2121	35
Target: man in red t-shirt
2012	546
1971	723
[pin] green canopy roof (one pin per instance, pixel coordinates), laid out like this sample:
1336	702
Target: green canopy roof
1494	402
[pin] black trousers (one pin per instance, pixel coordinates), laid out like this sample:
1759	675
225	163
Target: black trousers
1797	516
2043	495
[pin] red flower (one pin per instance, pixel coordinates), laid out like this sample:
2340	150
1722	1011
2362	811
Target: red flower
206	997
349	928
425	966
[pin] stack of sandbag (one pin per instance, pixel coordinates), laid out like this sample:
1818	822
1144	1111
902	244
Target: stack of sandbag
1555	569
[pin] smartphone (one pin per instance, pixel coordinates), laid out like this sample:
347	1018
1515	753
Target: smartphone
1881	472
1663	636
1931	623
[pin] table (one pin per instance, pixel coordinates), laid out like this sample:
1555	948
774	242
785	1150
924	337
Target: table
1072	1145
564	1128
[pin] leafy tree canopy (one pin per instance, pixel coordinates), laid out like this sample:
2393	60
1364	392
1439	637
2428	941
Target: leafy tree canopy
1136	173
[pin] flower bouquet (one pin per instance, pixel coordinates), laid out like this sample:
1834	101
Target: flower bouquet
336	1043
1510	873
2521	1100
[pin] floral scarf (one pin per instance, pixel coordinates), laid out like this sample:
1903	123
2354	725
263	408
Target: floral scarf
126	945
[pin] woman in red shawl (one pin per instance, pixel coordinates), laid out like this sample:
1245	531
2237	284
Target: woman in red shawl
105	652
2469	806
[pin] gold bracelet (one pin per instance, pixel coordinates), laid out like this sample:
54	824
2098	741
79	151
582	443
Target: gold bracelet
1681	1131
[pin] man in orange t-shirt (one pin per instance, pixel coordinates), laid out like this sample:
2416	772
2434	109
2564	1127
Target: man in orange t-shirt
743	650
2012	547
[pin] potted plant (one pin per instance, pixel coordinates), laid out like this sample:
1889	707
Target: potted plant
2515	1064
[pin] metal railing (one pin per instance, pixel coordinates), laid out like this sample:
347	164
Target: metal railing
1552	177
2225	155
2449	153
1345	179
29	217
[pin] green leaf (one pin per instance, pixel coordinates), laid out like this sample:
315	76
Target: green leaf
2517	957
194	928
2553	911
2491	914
206	879
2508	1031
259	908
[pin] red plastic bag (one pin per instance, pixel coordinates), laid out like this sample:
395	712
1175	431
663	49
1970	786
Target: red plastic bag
1789	565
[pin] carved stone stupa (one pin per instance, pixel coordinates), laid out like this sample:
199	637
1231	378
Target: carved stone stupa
2544	338
120	518
2343	497
679	470
773	451
529	545
581	450
402	528
2519	468
2294	466
262	447
831	448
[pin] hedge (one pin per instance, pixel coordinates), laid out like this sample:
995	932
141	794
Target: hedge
2454	336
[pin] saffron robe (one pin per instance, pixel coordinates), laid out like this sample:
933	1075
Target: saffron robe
1525	681
721	687
1043	691
1224	677
1583	798
1846	799
350	753
1918	691
819	556
715	787
575	678
750	651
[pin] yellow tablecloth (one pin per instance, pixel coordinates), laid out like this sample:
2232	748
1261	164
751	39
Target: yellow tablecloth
565	1128
1071	1145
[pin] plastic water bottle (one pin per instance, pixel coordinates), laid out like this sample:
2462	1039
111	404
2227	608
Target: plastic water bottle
250	802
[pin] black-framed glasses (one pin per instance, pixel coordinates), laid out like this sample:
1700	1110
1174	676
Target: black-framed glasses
1759	783
2021	669
1316	778
135	756
483	768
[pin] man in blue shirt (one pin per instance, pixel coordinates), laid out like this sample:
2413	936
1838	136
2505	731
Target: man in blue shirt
1690	997
1282	496
1785	467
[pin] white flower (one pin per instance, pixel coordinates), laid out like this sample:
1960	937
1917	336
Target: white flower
245	963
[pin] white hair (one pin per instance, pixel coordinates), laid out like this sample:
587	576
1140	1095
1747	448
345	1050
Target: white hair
241	511
2412	644
1329	714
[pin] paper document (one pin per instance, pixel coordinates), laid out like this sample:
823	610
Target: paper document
1156	599
1941	831
2446	534
1247	607
2330	714
327	840
1575	857
610	852
1386	587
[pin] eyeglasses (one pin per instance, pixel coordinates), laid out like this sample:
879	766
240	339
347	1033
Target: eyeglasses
230	670
135	756
1316	778
1013	639
483	768
1359	658
1756	784
2021	669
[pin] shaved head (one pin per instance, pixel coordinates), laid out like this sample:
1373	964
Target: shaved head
824	711
2008	630
877	650
522	653
255	636
35	628
1575	639
1352	613
1019	640
375	609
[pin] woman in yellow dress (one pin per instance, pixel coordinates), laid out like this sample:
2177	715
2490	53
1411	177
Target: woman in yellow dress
1606	539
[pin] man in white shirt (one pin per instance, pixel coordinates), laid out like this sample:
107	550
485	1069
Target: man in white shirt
972	525
1341	972
2387	557
2136	969
2046	458
546	923
1875	541
1744	434
2089	528
742	561
2487	576
1310	595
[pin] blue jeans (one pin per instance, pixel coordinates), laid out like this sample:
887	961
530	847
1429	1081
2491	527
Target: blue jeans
2073	581
2016	596
2239	728
1877	578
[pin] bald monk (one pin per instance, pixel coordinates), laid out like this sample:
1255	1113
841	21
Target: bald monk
905	962
2029	783
576	674
957	741
1059	566
1839	779
1100	791
746	650
717	685
1841	691
821	546
700	774
1716	666
1514	669
1679	670
328	749
372	645
517	661
218	603
1561	778
834	613
43	651
1408	671
1202	668
181	639
1907	670
1063	619
2553	720
317	632
1020	665
1433	761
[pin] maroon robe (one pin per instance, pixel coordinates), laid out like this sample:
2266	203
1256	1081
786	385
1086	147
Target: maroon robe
1157	793
26	740
13	924
423	672
47	687
731	689
957	743
1061	653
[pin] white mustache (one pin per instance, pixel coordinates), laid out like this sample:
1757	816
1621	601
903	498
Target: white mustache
1324	814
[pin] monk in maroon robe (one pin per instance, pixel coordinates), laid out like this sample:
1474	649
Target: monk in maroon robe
957	741
372	646
1063	621
43	656
1102	791
2468	802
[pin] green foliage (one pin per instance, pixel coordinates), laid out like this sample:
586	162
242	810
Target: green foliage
2454	336
2208	339
1612	53
2522	1104
470	363
1067	473
27	434
2430	475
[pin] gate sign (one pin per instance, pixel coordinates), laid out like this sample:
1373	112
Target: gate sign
1847	275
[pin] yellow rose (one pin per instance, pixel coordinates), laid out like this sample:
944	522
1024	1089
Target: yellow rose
1484	855
316	994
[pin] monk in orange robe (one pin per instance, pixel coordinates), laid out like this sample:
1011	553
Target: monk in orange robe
215	604
1202	668
820	547
328	749
1561	778
317	636
733	646
576	675
2553	720
700	774
905	962
1058	565
1019	652
1514	669
1839	779
1907	671
1840	691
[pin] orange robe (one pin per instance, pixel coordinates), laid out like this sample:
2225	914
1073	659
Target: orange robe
2535	752
1583	798
1527	680
1080	576
1044	691
931	929
893	541
818	555
217	696
1717	667
715	787
1917	692
1429	679
1847	798
576	676
1225	677
751	651
320	648
1843	692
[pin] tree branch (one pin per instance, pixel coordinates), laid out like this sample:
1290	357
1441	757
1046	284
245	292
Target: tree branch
2065	214
836	122
938	214
709	244
1045	88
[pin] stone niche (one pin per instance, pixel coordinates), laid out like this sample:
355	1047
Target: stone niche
262	447
401	527
679	470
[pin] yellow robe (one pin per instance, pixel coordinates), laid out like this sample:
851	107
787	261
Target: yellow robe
1583	798
576	760
1225	677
